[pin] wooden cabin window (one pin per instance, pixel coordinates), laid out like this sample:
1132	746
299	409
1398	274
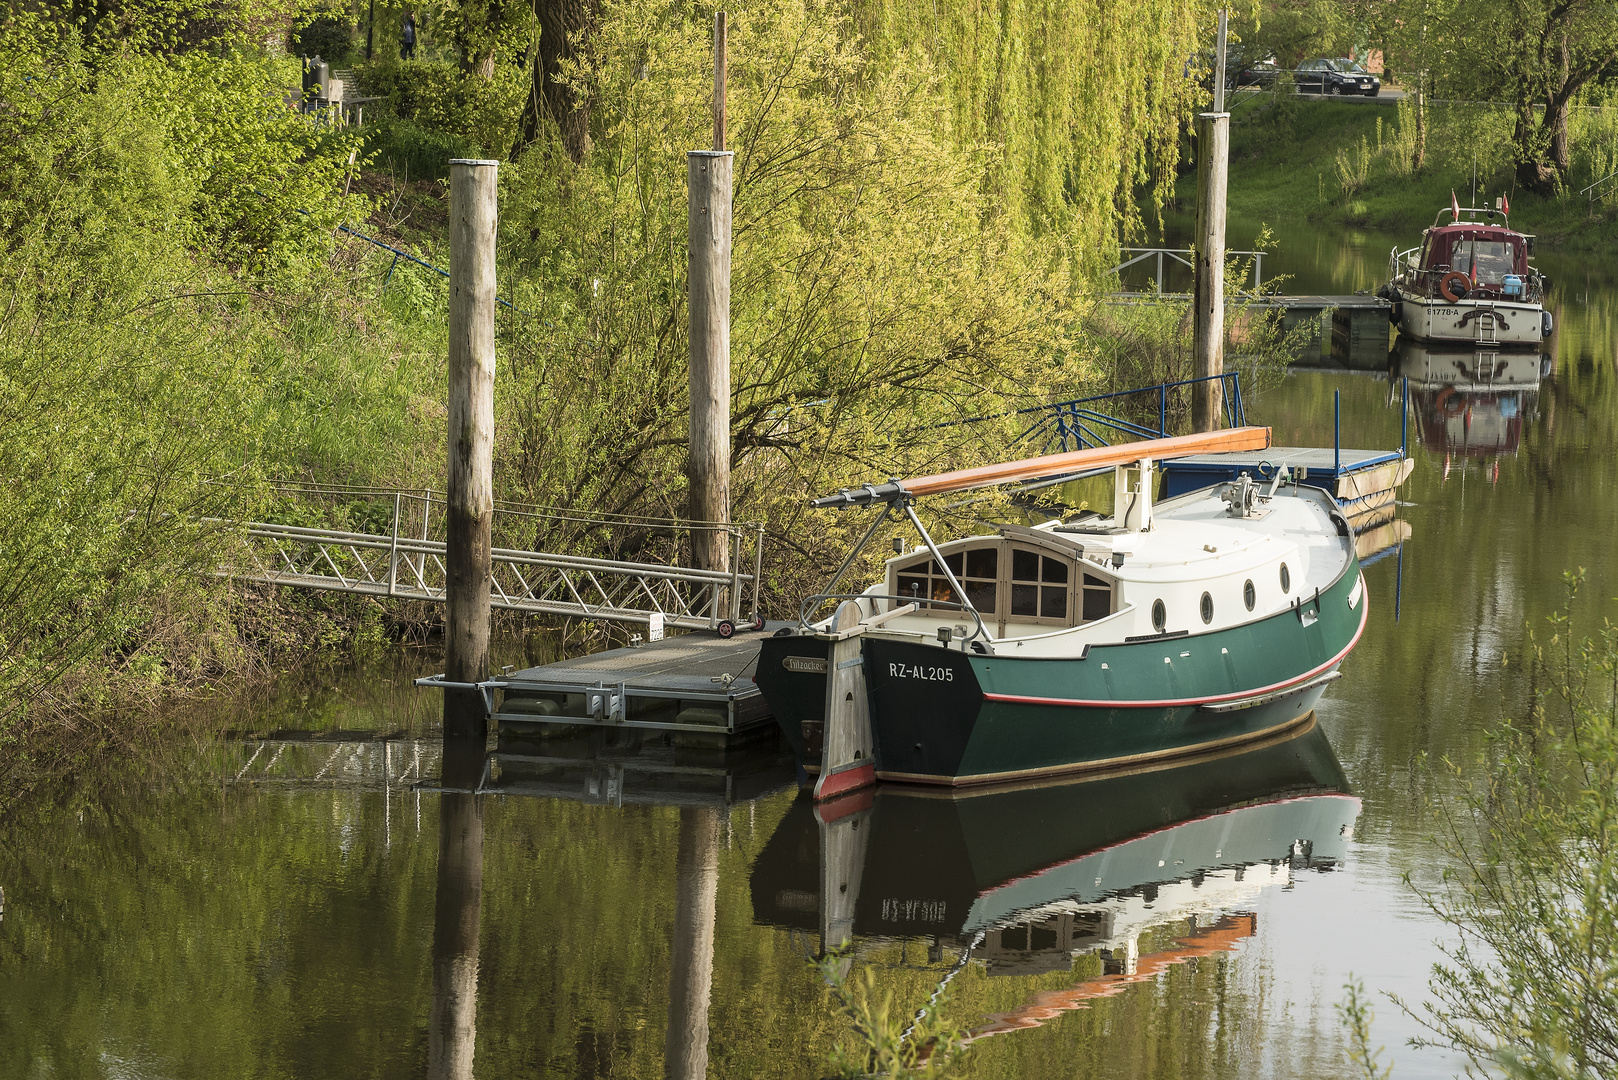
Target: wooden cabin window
1097	600
1039	586
1007	582
977	569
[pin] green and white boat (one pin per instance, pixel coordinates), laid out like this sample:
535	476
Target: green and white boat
1166	628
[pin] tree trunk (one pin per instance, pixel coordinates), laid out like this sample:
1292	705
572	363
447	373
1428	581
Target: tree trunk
562	26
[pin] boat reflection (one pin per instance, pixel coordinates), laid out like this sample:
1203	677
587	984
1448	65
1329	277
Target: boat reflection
1469	401
1027	880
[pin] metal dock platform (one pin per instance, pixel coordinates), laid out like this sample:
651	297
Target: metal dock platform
694	683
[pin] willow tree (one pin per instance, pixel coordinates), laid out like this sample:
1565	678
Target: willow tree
1082	101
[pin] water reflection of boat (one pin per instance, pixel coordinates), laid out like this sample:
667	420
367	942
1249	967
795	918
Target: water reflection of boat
1470	400
1028	879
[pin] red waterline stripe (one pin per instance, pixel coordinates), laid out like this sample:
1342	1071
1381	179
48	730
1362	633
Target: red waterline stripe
1365	599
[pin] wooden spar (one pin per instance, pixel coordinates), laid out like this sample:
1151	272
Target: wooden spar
1095	457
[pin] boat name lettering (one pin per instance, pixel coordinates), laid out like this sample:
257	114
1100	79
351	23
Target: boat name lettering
804	663
921	671
932	911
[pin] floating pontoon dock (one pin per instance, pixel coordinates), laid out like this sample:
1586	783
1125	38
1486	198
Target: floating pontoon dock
694	683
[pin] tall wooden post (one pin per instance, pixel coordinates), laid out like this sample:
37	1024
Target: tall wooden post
708	179
1208	346
696	890
1208	294
472	217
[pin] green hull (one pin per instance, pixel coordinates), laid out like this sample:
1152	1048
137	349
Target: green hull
944	716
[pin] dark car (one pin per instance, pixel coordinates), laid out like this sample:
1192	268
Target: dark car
1239	71
1261	74
1324	76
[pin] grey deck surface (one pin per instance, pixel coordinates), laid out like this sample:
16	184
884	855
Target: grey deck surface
682	664
1312	458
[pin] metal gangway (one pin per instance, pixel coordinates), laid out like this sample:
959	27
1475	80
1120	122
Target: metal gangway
387	543
1167	258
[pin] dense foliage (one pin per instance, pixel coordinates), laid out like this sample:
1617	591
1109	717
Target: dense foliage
1530	984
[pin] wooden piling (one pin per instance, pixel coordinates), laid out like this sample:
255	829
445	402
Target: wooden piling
1208	299
708	174
467	565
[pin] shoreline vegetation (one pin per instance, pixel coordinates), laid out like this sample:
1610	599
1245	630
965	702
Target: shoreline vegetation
919	227
1350	164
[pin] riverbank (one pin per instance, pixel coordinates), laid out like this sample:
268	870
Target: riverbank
1341	163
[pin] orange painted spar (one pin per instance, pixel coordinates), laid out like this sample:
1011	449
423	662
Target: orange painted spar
1095	457
1223	936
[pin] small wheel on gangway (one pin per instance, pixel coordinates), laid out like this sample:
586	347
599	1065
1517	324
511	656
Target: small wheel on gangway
726	628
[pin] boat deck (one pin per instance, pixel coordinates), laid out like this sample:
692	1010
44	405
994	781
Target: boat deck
1318	466
690	682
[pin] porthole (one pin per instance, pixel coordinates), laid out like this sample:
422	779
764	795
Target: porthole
1286	579
1207	607
1249	595
1160	615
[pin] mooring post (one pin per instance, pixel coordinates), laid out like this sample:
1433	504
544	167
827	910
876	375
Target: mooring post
708	179
467	568
1208	345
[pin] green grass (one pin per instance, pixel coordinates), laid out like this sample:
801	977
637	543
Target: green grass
1327	162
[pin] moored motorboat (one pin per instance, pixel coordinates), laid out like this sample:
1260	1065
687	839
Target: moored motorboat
1168	627
1469	281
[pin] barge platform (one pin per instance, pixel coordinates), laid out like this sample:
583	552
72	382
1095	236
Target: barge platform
691	683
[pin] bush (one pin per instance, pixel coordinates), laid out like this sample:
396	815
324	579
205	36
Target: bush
437	96
413	152
329	36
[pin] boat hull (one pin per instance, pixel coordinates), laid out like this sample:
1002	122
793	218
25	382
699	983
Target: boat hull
1438	320
943	716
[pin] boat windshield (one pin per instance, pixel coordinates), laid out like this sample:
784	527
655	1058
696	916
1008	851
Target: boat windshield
1484	260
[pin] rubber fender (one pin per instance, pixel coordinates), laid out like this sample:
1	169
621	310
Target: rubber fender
1547	323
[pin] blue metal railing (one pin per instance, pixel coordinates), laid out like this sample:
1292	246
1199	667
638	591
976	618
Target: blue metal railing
1076	424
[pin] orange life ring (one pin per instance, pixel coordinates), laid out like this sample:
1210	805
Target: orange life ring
1447	396
1454	277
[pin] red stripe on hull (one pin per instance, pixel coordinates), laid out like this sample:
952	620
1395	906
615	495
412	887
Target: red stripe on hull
831	785
1365	600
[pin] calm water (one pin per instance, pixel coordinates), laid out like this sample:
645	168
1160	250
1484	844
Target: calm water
289	902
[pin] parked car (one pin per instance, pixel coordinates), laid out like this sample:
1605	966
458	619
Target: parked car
1261	74
1343	76
1239	70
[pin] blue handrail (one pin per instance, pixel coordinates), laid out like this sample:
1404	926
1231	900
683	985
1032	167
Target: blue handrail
1070	425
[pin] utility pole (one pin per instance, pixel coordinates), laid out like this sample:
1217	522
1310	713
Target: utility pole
1208	343
473	185
708	179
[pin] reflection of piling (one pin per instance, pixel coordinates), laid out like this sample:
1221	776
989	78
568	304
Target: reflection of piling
467	564
452	1027
685	1054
